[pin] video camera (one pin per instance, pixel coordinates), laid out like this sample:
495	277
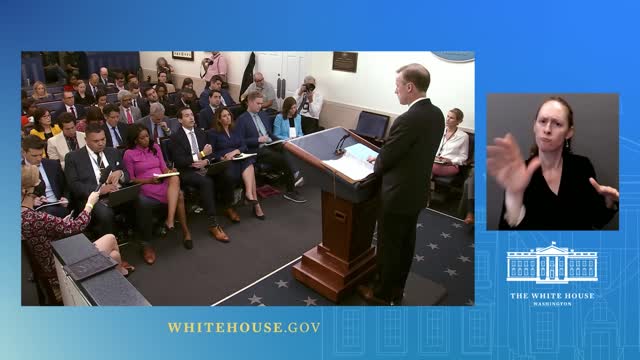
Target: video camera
308	87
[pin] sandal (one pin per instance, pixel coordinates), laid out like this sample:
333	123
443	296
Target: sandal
130	268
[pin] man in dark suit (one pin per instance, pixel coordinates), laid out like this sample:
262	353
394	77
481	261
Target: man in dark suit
152	97
96	164
50	173
105	80
191	154
136	97
90	165
94	85
404	164
114	130
216	84
207	113
187	98
257	131
157	124
69	105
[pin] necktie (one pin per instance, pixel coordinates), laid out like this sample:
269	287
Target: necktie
72	144
73	111
259	126
93	90
129	118
134	103
118	138
155	133
100	163
194	147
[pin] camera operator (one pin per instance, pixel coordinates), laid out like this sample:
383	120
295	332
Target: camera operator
214	65
309	102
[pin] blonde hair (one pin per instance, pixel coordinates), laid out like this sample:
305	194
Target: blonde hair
35	95
30	178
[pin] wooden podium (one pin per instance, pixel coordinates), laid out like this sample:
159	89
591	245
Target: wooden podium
345	257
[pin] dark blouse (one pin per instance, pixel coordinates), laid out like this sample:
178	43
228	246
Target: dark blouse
577	206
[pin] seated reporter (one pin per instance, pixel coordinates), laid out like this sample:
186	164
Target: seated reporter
157	124
227	144
68	140
554	189
142	160
94	115
43	126
288	124
52	177
114	130
97	164
191	154
39	229
252	126
454	146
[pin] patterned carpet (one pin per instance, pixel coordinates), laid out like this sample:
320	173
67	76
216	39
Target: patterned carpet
444	254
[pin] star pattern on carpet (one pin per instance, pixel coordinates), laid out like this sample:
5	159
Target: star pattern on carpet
433	246
282	283
419	226
451	272
418	257
464	258
445	235
254	299
470	302
310	301
456	225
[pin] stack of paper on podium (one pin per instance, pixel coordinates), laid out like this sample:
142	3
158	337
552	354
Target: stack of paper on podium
353	163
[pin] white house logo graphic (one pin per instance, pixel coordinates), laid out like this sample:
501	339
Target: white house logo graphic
552	265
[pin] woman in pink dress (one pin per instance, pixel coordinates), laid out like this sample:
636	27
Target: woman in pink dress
143	160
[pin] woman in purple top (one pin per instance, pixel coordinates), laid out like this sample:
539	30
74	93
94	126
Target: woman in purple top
143	160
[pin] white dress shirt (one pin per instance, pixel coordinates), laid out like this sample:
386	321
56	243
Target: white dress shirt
94	163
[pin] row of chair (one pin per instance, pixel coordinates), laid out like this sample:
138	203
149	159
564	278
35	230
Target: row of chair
57	89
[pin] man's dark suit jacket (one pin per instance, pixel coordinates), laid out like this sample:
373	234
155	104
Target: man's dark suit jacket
79	171
247	129
172	124
80	112
205	118
122	129
405	161
181	149
144	107
204	98
56	177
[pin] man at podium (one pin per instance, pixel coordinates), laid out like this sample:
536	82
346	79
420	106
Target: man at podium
404	164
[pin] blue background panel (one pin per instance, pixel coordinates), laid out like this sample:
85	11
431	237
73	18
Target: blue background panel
539	47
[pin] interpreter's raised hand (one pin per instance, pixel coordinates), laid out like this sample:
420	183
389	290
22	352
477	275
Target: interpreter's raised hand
611	195
506	165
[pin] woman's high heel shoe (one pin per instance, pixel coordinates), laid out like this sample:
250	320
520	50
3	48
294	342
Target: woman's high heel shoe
255	213
249	201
